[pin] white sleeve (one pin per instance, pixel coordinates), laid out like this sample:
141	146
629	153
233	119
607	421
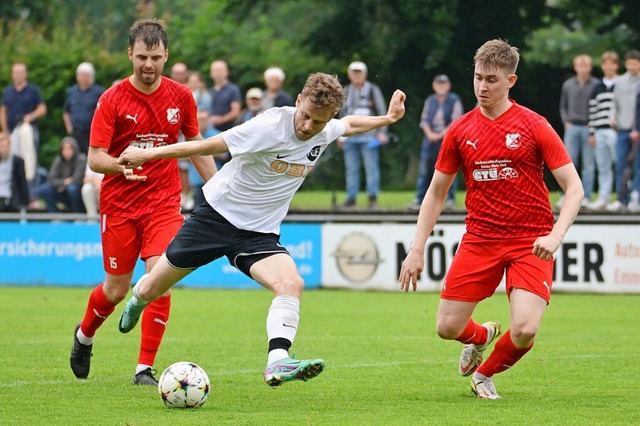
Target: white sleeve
335	128
252	135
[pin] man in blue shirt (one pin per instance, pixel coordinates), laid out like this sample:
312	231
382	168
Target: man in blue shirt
22	103
80	104
226	103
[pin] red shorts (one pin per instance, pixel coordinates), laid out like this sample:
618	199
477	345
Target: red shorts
480	263
124	239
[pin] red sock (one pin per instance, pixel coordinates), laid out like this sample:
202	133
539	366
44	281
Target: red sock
98	310
154	323
504	356
473	333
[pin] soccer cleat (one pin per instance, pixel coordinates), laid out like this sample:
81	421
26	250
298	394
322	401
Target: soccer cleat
80	359
471	356
287	369
145	377
130	316
484	389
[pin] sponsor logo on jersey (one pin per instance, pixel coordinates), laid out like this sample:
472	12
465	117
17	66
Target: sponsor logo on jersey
513	140
489	170
173	115
508	173
133	118
473	144
280	156
484	175
314	153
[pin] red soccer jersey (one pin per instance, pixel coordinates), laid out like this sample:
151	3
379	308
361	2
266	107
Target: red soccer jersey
502	161
125	116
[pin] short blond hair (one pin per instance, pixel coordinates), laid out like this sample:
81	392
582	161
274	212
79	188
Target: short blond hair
498	53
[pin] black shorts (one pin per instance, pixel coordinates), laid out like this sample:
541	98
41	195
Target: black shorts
206	236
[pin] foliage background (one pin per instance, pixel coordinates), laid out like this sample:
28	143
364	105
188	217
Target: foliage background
405	44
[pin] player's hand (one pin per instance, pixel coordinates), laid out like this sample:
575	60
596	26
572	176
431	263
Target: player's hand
129	174
544	247
133	157
412	266
396	106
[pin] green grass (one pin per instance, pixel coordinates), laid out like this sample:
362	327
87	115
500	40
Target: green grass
393	200
385	365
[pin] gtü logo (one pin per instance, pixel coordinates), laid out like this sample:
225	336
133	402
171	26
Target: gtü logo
484	175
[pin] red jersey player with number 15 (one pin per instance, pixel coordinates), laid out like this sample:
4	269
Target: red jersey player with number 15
502	148
139	215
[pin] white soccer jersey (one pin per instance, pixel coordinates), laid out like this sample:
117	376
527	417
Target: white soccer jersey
253	190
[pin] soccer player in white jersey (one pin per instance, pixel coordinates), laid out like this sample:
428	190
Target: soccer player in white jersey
247	200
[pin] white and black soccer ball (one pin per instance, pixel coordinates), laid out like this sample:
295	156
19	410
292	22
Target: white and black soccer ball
184	385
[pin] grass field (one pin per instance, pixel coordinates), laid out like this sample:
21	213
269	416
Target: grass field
385	365
393	200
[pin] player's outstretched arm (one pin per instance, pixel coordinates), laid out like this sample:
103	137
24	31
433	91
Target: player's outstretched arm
355	124
101	161
133	157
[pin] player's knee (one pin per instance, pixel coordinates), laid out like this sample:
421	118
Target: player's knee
523	335
149	289
447	331
289	286
116	290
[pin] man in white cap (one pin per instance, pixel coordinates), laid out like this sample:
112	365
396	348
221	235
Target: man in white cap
253	99
362	98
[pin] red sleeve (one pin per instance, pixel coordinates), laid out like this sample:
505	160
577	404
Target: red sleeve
190	127
449	159
103	125
553	151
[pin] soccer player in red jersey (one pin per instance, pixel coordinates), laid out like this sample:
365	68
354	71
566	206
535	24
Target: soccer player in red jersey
502	148
139	215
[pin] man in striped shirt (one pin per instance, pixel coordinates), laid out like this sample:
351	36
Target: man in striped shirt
602	134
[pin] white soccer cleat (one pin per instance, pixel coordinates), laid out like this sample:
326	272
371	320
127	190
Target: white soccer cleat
471	355
484	389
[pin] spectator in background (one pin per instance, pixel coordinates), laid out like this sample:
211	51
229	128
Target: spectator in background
624	93
64	181
275	96
180	73
226	98
91	192
80	104
203	103
22	105
439	111
632	167
602	135
255	101
201	95
14	193
226	103
574	112
362	98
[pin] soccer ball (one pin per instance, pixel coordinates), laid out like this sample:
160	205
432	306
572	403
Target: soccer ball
184	385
